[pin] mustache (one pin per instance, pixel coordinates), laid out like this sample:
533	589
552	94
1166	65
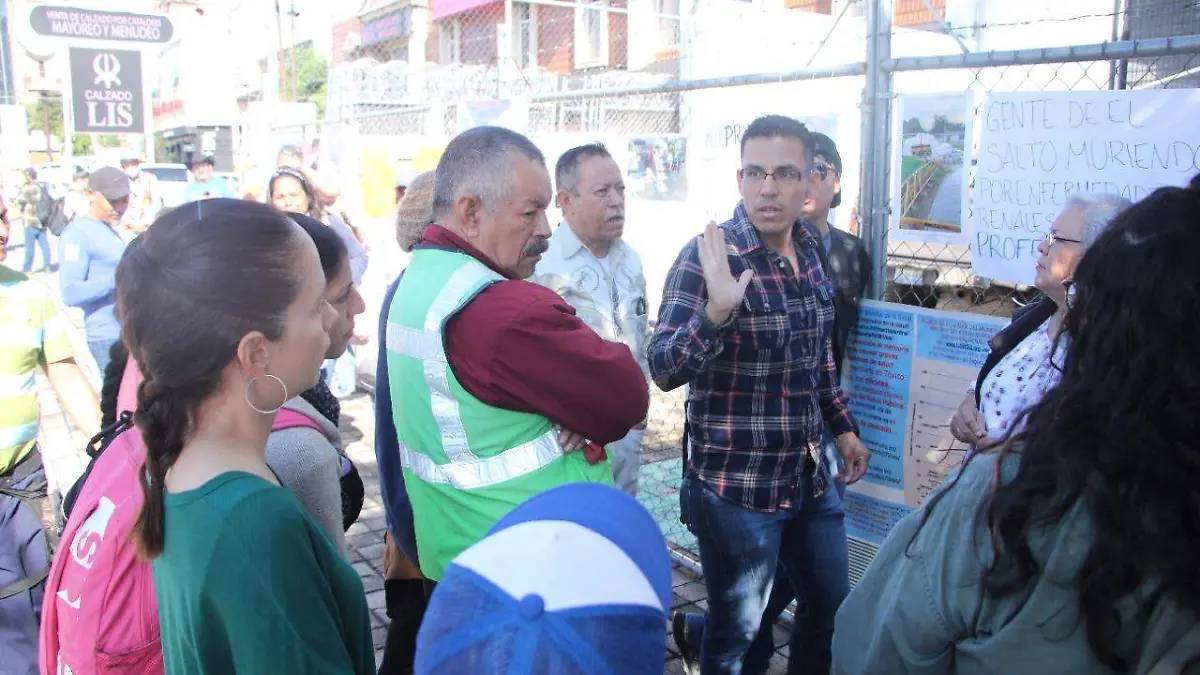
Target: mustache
619	216
536	247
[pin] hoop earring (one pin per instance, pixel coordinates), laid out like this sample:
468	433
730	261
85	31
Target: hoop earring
260	410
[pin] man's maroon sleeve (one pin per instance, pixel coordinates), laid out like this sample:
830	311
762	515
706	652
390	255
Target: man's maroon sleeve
518	346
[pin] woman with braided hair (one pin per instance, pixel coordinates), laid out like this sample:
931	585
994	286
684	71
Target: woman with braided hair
81	632
223	308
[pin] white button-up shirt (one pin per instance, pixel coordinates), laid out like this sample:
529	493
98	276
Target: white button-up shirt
609	296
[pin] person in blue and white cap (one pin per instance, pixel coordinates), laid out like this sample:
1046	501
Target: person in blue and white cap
574	580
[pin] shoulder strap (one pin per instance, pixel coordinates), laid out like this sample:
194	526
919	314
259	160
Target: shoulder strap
287	418
96	447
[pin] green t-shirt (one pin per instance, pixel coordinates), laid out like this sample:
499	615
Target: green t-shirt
248	583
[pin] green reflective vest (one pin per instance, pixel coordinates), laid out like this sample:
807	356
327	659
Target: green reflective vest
466	463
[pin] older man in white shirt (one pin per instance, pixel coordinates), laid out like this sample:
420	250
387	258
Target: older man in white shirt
598	274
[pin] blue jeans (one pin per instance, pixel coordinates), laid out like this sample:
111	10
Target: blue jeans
100	351
740	550
41	237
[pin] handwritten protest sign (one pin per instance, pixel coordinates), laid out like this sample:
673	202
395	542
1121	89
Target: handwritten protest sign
1039	149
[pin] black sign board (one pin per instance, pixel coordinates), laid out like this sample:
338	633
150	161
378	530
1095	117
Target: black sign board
91	24
106	88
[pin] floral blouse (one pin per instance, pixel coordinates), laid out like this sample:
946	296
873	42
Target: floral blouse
1020	380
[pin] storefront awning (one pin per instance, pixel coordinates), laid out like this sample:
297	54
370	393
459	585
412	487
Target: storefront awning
445	8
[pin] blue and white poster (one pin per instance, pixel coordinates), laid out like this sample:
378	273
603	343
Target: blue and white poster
907	371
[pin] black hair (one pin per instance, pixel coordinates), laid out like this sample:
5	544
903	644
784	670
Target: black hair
566	169
314	205
80	173
1118	435
31	172
110	387
188	290
330	247
779	126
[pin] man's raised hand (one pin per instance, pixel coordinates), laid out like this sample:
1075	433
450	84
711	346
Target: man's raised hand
725	292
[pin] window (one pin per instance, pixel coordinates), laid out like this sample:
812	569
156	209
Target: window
668	23
525	44
450	41
591	34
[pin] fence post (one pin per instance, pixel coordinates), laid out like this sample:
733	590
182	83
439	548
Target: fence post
876	115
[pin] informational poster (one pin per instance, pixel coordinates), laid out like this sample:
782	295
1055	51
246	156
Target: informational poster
106	91
1039	149
930	167
907	372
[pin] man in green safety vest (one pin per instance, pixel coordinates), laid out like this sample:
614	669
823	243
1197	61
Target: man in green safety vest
498	391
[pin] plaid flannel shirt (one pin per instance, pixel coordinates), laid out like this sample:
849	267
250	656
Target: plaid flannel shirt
763	384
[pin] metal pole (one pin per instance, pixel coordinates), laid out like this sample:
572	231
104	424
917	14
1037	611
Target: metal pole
506	54
279	54
295	75
68	115
1122	74
1101	51
877	103
46	111
148	108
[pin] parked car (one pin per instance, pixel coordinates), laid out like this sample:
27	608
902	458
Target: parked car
172	179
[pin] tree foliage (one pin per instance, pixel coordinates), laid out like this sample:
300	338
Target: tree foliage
313	75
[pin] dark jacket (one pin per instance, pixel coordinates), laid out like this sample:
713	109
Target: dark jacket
396	506
1024	321
848	266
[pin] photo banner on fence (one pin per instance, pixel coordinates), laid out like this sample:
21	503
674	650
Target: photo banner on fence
1039	149
716	156
907	372
929	167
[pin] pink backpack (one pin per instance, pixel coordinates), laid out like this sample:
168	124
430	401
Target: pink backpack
100	614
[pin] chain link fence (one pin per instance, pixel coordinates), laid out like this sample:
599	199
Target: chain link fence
669	86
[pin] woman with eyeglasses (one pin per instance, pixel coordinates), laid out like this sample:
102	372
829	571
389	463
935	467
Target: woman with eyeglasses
1023	363
1074	547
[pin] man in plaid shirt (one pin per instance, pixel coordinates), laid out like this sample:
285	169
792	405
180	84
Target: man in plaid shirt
746	320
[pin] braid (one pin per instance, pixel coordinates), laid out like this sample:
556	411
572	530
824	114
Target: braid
111	387
164	418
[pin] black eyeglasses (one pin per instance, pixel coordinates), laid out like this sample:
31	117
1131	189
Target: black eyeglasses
822	169
1052	239
782	175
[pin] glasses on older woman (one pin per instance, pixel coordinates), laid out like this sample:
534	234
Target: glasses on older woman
1053	238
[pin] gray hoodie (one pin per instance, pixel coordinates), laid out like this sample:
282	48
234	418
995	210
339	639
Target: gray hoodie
920	609
309	464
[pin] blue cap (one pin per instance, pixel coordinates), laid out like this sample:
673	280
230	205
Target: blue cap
574	581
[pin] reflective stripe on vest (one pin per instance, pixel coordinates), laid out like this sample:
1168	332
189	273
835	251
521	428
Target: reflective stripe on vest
514	463
465	470
426	346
